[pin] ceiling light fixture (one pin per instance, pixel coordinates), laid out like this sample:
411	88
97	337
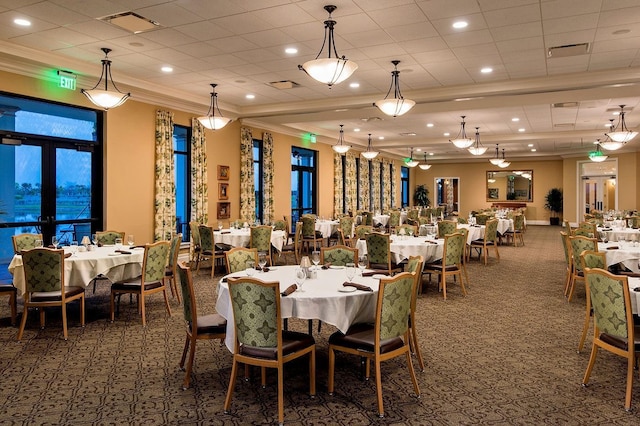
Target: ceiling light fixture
504	163
411	162
211	121
106	98
608	143
597	156
330	70
340	147
397	105
425	165
620	133
496	160
462	140
477	148
370	154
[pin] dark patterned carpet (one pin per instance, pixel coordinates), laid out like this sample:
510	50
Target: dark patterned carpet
505	354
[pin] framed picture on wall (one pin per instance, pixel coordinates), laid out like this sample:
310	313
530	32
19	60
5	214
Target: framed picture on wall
493	193
222	191
224	210
223	172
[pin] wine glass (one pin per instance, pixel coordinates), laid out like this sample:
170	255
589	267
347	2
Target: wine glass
130	240
362	264
301	275
350	270
315	258
219	226
73	246
118	242
54	242
262	260
94	238
250	268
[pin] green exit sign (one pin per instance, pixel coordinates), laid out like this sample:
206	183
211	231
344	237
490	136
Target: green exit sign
67	80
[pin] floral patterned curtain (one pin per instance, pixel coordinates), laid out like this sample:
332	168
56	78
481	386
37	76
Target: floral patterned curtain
165	189
267	176
394	178
375	187
338	186
351	184
387	185
199	186
247	189
363	196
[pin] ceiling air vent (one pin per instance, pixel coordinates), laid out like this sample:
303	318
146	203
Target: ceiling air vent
568	50
565	105
284	84
131	22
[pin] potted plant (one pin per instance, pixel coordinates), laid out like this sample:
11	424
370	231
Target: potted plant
421	196
553	203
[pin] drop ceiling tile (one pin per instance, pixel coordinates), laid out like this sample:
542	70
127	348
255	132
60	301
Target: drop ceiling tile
39	42
476	63
167	37
98	29
449	73
568	64
278	16
203	30
569	8
199	49
470	38
168	55
192	64
629	15
487	49
232	44
444	55
571	24
412	31
424	45
268	38
126	43
613	45
368	38
513	15
169	14
398	15
53	13
622	57
305	32
223	61
487	5
523	56
242	24
444	26
356	23
8	27
94	9
608	33
208	9
513	32
529	43
438	9
380	51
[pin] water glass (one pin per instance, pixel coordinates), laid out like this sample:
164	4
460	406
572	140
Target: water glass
54	242
131	241
250	268
315	258
362	264
350	270
73	246
301	275
38	243
94	238
262	260
118	242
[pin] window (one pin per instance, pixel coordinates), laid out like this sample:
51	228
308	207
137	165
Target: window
182	170
404	186
303	182
258	182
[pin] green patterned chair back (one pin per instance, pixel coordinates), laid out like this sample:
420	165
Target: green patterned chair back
446	227
280	225
394	306
156	256
579	244
406	230
25	241
453	249
586	229
394	218
367	218
491	230
593	259
175	250
362	231
481	219
261	238
44	269
188	295
414	264
634	222
610	301
518	222
206	238
238	257
378	248
109	237
567	227
256	311
566	245
346	224
424	221
412	214
308	226
439	211
462	220
195	233
426	212
338	255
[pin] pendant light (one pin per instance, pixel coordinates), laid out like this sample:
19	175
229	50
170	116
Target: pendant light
105	98
496	160
597	156
340	147
620	133
477	148
211	121
411	162
504	163
397	105
329	70
370	154
425	165
462	140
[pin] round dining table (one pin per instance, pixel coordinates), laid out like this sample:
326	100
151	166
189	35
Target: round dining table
323	297
627	253
403	247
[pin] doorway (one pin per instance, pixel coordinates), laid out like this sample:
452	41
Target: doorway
598	189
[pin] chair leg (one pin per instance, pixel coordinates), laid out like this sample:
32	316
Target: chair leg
627	399
141	306
592	361
82	319
312	373
379	387
187	375
184	352
232	384
112	306
14	308
280	394
64	321
585	327
23	322
166	301
332	365
412	372
416	348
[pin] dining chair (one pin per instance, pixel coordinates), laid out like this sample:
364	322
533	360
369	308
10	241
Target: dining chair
412	215
195	248
310	237
614	328
294	247
260	340
10	291
446	227
170	273
361	232
414	265
394	220
345	231
406	229
586	229
590	259
150	281
25	242
634	222
108	237
367	218
462	220
579	244
338	255
379	252
568	257
237	258
481	219
261	240
199	327
451	263
490	240
387	338
517	231
44	280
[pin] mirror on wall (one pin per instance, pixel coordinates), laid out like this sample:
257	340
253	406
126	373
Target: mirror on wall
510	185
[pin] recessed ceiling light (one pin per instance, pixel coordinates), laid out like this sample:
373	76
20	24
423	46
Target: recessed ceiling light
380	137
418	149
521	129
429	124
342	110
533	150
166	69
616	113
431	153
22	22
486	70
515	119
530	145
354	85
446	134
460	24
291	50
250	96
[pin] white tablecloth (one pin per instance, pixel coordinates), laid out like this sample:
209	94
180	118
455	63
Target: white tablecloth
327	227
319	300
626	254
82	267
505	225
615	234
404	247
476	232
242	238
635	296
381	219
